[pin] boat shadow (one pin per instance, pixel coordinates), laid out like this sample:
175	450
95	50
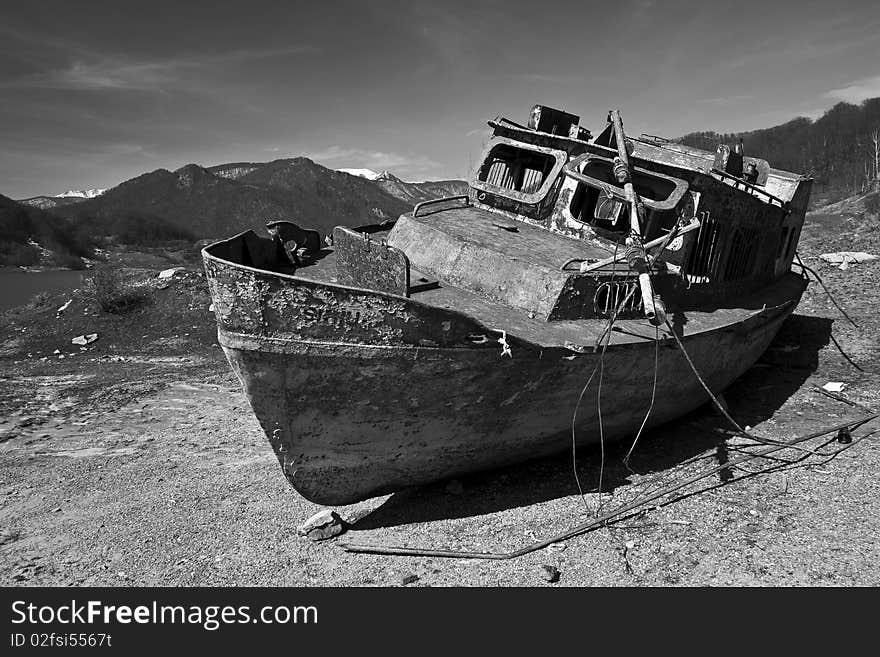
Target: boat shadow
789	361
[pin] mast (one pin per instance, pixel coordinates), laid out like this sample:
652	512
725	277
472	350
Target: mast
635	254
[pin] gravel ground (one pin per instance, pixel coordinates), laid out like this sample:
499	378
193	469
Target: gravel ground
136	461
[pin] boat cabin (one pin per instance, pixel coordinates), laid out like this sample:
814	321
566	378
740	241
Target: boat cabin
547	227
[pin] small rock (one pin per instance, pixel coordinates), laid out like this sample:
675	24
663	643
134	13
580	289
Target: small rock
169	273
83	340
454	487
550	573
409	579
64	307
323	525
845	258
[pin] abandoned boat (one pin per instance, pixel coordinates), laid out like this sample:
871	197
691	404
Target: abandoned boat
464	335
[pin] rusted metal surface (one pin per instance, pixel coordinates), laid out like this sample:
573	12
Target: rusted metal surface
552	121
367	263
437	204
350	422
356	400
670	197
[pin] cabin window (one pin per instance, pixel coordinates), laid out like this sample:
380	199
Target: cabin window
516	169
741	256
598	199
705	253
590	206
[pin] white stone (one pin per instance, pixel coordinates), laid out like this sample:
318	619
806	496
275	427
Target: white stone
169	273
845	258
83	340
323	525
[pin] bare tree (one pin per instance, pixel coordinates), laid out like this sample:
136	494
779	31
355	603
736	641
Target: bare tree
875	139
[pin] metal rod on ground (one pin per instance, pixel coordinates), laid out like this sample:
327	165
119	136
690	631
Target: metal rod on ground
841	398
577	530
624	174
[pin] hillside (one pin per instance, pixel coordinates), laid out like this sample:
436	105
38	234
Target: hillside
30	236
323	198
841	149
410	192
194	202
413	193
50	202
859	204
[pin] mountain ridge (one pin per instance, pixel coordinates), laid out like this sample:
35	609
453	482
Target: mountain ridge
213	202
32	236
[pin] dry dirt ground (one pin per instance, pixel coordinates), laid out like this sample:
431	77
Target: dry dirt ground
136	461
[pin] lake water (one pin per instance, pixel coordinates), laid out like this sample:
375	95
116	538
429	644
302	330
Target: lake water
17	286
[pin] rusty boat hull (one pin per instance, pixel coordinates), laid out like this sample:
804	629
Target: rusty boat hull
362	393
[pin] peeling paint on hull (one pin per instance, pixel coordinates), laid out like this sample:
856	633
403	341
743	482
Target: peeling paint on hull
361	407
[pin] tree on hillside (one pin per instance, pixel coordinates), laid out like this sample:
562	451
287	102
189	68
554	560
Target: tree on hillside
841	149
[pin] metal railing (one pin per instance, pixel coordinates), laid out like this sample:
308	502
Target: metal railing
754	190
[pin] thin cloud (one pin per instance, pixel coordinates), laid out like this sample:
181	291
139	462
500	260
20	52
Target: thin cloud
857	91
120	73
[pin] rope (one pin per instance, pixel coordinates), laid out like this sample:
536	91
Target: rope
827	291
600	366
601	426
715	400
836	305
574	438
653	395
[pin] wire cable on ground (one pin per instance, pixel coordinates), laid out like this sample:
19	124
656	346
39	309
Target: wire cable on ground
836	305
653	396
630	507
827	291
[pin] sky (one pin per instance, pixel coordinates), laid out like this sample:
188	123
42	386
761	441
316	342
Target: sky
93	93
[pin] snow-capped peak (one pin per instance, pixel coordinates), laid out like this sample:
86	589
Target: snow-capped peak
387	175
369	174
82	193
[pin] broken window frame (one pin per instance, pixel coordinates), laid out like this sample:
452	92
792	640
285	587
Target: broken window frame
532	198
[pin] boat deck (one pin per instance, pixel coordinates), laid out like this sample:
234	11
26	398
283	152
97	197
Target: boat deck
579	333
516	240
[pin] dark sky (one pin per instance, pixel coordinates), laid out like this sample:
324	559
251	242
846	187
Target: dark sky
93	93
